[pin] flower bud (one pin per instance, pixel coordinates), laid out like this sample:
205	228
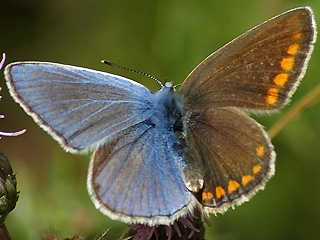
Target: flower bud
8	188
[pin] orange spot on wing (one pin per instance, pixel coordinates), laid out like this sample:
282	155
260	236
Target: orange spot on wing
233	186
256	169
293	49
220	192
260	150
207	195
272	96
281	79
287	63
297	36
246	179
204	196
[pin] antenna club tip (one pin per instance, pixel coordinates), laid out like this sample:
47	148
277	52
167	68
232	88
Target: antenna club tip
108	62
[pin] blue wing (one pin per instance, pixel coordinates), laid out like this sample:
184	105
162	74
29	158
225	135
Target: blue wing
138	177
136	173
79	107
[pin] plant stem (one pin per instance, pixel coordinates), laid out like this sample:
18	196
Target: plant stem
305	102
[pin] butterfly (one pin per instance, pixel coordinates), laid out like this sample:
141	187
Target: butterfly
159	156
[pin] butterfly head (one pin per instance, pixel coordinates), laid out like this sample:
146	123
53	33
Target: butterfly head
168	85
165	95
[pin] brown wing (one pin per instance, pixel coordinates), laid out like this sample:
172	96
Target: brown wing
259	70
233	153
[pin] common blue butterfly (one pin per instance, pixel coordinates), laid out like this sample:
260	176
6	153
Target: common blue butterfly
159	156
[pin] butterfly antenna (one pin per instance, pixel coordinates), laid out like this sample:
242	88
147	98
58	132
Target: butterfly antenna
135	71
178	85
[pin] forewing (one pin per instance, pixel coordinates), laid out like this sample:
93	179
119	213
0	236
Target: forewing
234	154
259	70
137	178
79	107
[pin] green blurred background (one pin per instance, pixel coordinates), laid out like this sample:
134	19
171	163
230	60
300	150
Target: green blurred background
167	39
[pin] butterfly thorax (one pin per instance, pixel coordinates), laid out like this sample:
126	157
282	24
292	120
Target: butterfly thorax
170	107
164	97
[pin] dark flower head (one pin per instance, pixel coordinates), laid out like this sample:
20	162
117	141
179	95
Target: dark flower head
8	188
7	134
187	228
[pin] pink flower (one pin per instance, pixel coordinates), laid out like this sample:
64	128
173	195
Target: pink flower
8	134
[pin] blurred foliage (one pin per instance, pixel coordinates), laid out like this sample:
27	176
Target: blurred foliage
166	39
